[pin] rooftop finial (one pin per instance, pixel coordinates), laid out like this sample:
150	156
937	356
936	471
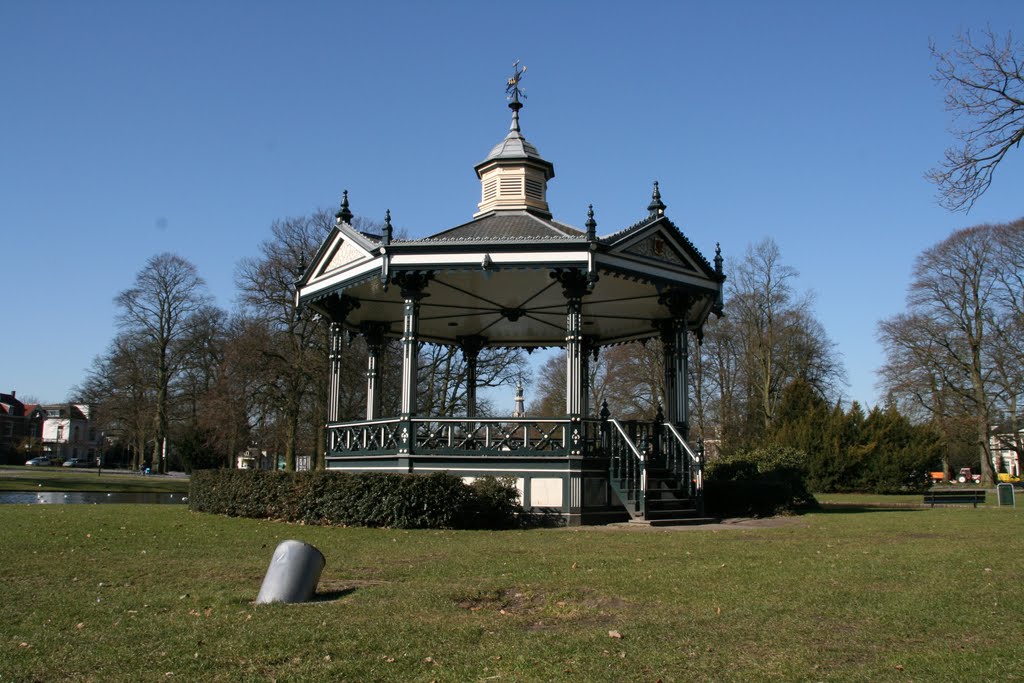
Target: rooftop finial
344	215
656	207
514	92
591	224
386	239
718	258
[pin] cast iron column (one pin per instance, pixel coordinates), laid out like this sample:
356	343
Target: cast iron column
574	287
588	351
373	332
471	346
675	344
412	286
337	309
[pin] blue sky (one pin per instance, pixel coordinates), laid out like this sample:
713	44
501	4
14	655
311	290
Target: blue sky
133	128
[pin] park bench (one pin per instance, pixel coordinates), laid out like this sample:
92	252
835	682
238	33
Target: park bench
973	496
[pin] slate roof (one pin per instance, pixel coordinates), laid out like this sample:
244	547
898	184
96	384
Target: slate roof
515	147
502	226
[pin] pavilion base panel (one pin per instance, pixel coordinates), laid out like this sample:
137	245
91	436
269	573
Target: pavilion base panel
561	489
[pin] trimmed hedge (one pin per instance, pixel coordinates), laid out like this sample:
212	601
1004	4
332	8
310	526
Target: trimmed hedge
758	483
404	501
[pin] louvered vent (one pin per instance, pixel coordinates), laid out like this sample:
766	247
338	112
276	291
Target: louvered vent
534	189
490	189
511	187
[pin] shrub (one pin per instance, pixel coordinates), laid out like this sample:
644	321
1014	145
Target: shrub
407	501
761	482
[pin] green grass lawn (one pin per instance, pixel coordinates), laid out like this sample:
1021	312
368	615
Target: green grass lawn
146	593
19	478
895	500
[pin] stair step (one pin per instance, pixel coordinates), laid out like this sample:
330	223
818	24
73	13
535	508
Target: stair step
670	513
677	521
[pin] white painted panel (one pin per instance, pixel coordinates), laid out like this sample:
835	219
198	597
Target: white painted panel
546	492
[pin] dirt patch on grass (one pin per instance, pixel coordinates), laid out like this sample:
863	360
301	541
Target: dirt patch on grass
544	611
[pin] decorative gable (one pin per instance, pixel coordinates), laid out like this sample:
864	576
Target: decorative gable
343	250
659	248
660	243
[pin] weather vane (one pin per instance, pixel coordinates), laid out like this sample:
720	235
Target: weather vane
512	89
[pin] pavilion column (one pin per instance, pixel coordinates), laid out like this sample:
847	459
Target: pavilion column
471	347
675	341
589	350
373	332
574	287
412	286
337	309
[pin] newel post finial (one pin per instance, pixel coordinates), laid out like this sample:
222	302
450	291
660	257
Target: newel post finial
344	215
591	224
388	230
656	207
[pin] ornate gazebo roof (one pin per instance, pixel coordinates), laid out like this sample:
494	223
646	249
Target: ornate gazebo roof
501	275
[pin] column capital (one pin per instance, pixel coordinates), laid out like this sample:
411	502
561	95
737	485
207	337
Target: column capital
575	284
337	307
677	301
412	283
374	332
471	344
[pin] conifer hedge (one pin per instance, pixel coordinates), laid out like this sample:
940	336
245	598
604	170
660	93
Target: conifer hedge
404	501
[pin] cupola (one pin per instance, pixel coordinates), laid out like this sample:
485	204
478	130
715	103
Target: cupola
514	176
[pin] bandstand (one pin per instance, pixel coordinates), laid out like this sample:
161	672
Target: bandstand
515	277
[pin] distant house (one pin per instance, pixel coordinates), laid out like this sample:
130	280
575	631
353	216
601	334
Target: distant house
1006	446
68	432
20	426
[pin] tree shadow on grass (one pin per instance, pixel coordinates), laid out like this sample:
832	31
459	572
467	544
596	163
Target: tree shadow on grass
847	508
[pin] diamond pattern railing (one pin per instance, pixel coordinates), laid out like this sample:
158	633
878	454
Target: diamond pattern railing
454	436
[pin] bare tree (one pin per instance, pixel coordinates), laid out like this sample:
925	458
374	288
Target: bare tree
161	309
984	82
957	351
444	373
120	385
294	357
779	338
633	378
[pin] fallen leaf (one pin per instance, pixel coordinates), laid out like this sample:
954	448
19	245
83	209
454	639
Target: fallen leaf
80	625
615	634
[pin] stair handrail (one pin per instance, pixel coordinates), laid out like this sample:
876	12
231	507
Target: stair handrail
632	446
698	465
633	473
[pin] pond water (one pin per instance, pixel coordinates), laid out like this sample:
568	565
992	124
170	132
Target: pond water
88	498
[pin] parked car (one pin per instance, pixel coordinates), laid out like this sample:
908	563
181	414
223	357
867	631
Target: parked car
76	462
38	462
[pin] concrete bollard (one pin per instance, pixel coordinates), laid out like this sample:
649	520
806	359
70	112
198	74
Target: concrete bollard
293	573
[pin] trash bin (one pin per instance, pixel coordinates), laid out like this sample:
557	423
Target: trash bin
293	573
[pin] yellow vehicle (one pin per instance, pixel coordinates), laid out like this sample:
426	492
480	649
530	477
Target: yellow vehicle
1007	478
